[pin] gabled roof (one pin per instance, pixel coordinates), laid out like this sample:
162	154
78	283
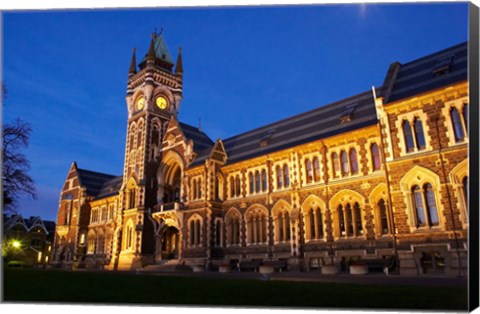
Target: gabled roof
336	118
439	69
93	181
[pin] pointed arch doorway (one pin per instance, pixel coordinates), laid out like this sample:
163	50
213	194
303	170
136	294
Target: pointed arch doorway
169	243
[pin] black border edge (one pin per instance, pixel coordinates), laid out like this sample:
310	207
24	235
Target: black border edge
473	77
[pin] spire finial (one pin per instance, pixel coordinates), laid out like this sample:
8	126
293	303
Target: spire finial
199	124
179	64
133	63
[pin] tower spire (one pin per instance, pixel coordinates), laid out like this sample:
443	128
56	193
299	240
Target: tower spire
151	49
133	64
179	64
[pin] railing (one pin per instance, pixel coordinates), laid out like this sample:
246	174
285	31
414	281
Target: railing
167	206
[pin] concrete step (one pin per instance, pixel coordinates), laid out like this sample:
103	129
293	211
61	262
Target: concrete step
167	266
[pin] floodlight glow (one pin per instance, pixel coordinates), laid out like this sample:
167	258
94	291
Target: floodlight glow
16	244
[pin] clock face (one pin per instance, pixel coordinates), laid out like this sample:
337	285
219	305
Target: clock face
140	103
161	102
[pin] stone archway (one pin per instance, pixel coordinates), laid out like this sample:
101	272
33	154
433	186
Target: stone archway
169	242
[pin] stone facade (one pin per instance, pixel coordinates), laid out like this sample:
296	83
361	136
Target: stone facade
322	200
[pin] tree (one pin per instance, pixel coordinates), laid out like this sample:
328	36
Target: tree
15	167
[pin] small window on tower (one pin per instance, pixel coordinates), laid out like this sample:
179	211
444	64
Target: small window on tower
442	65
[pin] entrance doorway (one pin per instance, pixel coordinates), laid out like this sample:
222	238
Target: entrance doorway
169	243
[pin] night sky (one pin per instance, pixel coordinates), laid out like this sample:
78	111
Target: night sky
66	71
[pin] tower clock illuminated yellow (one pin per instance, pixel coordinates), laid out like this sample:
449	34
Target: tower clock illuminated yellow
161	102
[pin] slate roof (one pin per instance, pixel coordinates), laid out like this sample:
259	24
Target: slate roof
110	187
200	140
418	76
93	181
303	128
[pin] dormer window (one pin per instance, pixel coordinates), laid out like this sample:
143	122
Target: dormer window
442	66
347	113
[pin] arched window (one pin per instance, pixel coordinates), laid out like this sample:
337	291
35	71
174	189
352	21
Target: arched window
257	181
195	194
257	227
131	198
264	180
286	176
358	220
375	157
457	125
382	215
155	140
237	185
199	188
419	136
344	159
192	232
418	205
195	231
426	213
408	136
431	205
282	226
349	220
316	169
341	221
315	221
279	177
308	170
335	165
251	183
232	221
232	187
353	161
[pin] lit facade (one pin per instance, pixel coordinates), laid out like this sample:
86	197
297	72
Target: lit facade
380	174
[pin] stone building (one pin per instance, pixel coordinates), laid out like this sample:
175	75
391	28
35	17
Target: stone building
381	175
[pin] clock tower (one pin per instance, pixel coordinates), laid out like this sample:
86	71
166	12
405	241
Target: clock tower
154	94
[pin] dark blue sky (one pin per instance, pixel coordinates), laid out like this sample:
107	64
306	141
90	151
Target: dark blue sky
66	71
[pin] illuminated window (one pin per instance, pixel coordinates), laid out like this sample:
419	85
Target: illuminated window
309	170
353	161
316	169
335	164
408	136
344	159
419	136
375	157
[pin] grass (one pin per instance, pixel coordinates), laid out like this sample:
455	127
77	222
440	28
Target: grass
54	286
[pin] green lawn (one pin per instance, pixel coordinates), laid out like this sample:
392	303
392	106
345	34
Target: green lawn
21	285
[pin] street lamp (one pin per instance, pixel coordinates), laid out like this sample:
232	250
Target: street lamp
16	244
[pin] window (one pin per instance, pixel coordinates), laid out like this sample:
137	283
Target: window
376	165
465	117
257	227
457	125
382	214
131	198
309	170
195	192
279	177
257	181
264	180
350	220
199	189
282	227
237	186
335	164
419	136
233	220
407	133
425	206
232	187
195	227
286	176
353	161
316	169
251	183
344	159
315	223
